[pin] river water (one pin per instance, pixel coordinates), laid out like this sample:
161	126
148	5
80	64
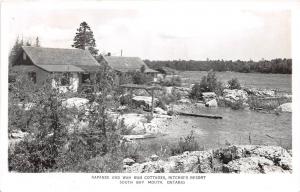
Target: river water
237	126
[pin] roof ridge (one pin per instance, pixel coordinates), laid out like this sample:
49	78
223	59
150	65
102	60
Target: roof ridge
53	48
122	57
59	56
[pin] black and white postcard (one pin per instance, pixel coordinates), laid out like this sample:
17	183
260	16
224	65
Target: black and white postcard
135	95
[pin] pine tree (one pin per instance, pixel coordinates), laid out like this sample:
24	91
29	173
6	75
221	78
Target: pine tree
37	42
14	51
17	47
84	39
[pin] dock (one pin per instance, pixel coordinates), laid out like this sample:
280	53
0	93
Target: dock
200	115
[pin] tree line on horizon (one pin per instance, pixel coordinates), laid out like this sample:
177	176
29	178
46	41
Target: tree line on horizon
283	66
84	39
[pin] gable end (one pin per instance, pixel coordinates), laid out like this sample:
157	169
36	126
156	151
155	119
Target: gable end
22	59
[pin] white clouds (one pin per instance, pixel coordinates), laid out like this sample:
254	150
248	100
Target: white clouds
49	33
165	31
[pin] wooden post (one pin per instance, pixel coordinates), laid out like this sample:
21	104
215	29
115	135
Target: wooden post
152	102
131	96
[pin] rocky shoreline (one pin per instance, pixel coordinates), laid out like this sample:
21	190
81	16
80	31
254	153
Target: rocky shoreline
230	159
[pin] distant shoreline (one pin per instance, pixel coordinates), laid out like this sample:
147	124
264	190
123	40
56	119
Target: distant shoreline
276	66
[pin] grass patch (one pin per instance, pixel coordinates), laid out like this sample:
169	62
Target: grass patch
187	143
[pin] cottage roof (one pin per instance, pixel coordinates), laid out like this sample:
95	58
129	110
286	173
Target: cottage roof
148	70
61	60
167	70
126	64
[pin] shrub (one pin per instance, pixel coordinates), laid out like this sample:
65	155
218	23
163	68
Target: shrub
125	130
234	84
170	113
108	163
219	88
165	99
149	118
132	151
208	83
140	78
52	146
187	143
32	156
125	99
173	81
196	92
48	126
175	94
125	78
141	151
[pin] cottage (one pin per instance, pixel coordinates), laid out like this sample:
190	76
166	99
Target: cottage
127	64
76	67
167	70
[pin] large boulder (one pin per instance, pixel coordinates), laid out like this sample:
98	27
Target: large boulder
247	165
26	106
147	167
160	111
278	155
209	96
286	107
138	123
18	134
134	121
168	90
185	100
212	103
154	157
144	101
196	161
77	102
230	159
128	161
16	137
235	95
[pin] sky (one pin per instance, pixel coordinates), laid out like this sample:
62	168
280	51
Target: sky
161	31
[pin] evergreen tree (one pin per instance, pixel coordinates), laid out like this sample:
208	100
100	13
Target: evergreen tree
17	47
14	51
84	39
143	68
28	43
37	42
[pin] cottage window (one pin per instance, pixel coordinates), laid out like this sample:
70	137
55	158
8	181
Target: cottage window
32	76
24	56
86	78
65	79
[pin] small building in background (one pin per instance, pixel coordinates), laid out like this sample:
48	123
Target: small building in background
75	67
167	71
128	64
